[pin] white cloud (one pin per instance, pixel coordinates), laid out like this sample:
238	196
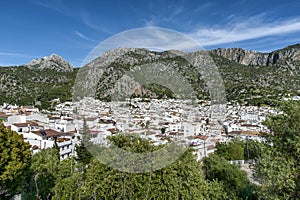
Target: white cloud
244	30
84	37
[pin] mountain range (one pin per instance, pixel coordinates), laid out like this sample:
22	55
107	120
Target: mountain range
249	77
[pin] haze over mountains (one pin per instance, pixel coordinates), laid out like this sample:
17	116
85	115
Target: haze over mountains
249	77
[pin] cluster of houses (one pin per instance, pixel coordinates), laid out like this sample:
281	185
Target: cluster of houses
160	121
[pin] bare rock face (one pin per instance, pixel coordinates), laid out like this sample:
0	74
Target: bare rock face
53	62
287	57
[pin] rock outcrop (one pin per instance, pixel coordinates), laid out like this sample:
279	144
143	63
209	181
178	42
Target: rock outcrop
53	62
287	57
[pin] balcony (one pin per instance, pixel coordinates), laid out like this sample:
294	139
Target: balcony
63	142
65	151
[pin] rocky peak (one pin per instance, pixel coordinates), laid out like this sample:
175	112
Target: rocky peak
289	56
53	62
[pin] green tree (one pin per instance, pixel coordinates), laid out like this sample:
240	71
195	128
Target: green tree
234	180
183	179
163	130
233	150
85	128
69	180
254	149
14	162
43	176
278	167
82	153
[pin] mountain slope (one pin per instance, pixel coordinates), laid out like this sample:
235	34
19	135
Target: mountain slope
37	83
249	77
258	82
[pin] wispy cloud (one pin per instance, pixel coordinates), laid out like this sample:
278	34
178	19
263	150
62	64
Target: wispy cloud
153	38
203	7
56	5
16	55
89	23
84	37
238	31
11	54
172	16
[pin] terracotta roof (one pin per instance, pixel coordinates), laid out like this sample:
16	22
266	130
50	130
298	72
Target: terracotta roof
173	133
25	124
54	117
5	115
235	132
112	130
73	131
62	139
47	133
201	137
91	118
251	133
68	134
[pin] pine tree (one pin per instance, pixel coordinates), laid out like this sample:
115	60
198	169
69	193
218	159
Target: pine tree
14	162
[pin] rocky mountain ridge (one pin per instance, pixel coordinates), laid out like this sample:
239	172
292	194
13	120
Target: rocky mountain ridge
287	57
248	76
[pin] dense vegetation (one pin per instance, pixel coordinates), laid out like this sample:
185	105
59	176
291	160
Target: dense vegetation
15	158
278	166
257	85
71	179
25	86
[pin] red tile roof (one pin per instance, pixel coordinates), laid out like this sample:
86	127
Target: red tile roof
49	133
25	124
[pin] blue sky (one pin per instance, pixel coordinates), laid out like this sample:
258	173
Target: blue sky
37	28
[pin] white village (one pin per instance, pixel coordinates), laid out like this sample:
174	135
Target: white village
161	121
